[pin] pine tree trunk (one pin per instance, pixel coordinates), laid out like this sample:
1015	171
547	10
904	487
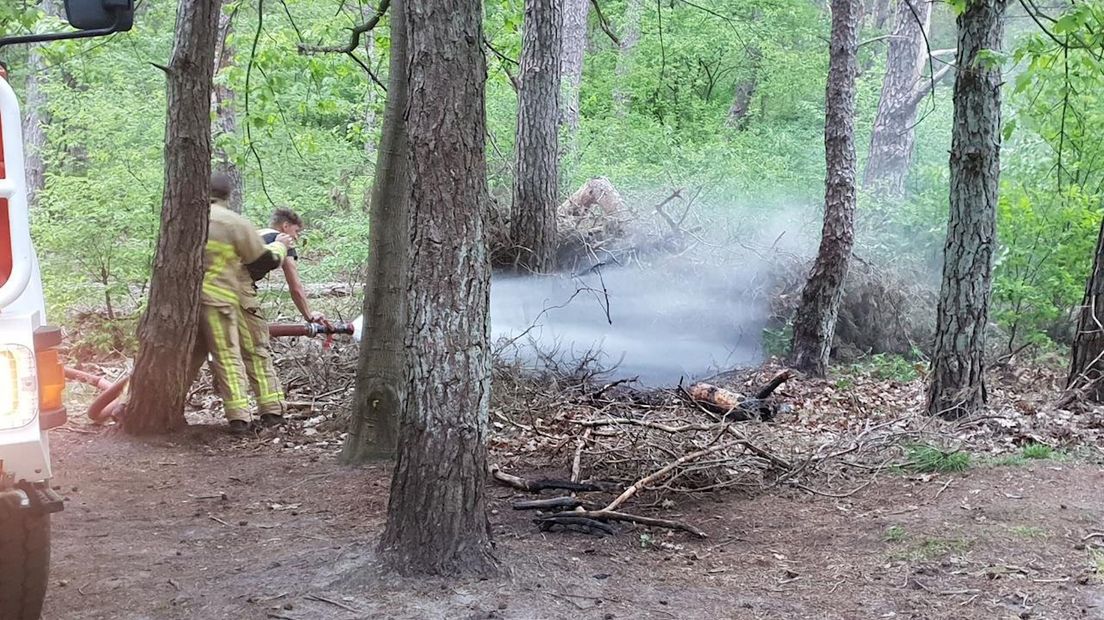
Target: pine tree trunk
226	117
571	69
381	371
958	362
536	175
815	320
630	36
437	520
168	327
35	118
1087	358
891	142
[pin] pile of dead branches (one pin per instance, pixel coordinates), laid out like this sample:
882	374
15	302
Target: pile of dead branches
626	452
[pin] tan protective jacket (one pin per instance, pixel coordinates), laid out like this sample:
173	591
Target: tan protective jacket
232	243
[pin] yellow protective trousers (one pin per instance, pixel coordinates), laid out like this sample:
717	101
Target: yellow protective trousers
241	360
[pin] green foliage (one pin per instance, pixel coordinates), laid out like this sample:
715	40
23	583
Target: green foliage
306	139
777	342
895	534
925	458
1029	532
888	367
1038	451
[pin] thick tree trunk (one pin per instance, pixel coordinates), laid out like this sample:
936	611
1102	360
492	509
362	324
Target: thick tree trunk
958	362
1087	358
35	118
381	371
168	327
892	140
226	117
536	176
437	520
630	36
815	320
571	68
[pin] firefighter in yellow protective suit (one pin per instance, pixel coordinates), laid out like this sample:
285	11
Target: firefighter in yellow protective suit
232	329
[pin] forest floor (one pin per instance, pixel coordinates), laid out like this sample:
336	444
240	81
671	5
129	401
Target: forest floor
205	525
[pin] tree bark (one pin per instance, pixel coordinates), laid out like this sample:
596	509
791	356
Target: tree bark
436	520
168	327
880	15
891	142
226	116
370	96
536	175
1087	358
630	36
35	118
381	371
957	385
571	68
815	320
745	90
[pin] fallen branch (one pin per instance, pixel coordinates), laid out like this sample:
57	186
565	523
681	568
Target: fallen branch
573	520
553	503
643	482
612	515
536	486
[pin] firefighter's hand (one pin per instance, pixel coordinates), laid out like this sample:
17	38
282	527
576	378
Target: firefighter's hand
286	239
316	317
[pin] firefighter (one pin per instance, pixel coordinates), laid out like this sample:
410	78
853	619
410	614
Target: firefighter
232	328
286	221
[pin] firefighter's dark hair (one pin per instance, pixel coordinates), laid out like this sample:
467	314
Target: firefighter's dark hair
284	215
221	186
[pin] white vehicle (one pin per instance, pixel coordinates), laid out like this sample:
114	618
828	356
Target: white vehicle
32	379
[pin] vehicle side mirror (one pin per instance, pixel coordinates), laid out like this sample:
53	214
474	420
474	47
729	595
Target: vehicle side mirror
117	15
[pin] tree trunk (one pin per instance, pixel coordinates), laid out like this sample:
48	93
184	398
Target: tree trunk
536	175
882	10
381	371
815	320
958	362
226	117
891	142
437	520
35	118
745	90
630	36
371	96
571	68
169	325
1087	358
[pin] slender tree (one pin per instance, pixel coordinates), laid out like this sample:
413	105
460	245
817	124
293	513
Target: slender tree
815	320
536	175
957	385
571	67
630	37
168	327
382	367
891	141
35	118
437	520
226	116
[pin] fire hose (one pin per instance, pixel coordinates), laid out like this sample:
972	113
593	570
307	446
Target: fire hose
106	405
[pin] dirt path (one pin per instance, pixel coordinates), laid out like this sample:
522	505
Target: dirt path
213	527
